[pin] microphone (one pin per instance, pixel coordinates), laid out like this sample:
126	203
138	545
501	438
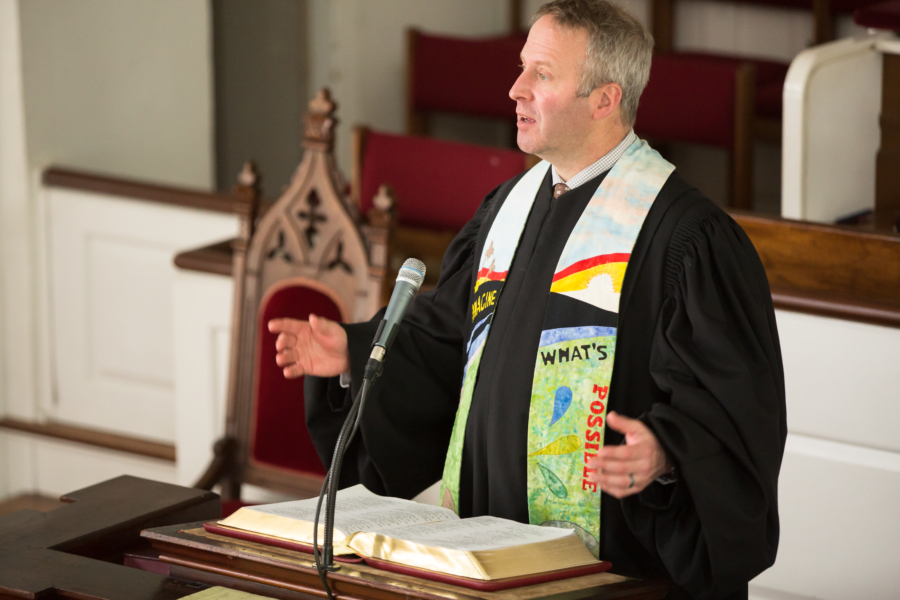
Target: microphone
409	280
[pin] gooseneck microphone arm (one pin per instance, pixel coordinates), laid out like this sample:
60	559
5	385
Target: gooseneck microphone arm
409	280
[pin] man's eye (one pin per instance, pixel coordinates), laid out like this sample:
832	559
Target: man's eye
542	76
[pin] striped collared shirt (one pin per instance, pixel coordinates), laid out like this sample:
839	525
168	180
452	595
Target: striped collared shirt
604	164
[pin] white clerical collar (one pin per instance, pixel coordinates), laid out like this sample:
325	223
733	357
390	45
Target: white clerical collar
604	164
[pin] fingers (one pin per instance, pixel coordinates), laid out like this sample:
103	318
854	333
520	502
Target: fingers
292	326
619	486
293	371
322	327
287	357
285	340
623	424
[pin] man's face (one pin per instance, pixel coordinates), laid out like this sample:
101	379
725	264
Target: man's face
553	122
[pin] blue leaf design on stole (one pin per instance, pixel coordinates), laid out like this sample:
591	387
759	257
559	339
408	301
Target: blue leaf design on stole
562	403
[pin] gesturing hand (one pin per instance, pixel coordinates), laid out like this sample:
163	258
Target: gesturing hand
314	347
627	469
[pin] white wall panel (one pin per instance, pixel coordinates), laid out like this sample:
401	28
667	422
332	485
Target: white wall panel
111	301
202	306
840	527
52	467
840	379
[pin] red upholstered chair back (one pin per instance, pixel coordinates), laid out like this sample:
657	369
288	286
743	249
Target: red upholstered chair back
436	184
469	76
672	109
278	434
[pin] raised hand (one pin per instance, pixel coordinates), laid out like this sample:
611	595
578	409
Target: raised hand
629	468
314	347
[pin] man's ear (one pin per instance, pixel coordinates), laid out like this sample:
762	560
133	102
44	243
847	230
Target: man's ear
605	100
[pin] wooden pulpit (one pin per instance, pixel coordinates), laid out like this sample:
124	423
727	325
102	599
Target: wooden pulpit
78	550
73	551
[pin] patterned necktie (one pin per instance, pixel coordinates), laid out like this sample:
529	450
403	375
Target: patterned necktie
559	189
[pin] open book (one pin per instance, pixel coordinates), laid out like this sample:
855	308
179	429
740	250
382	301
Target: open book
428	539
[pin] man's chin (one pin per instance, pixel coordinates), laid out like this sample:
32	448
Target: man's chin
527	144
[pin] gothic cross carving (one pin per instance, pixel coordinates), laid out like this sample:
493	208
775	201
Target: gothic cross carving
280	250
339	260
312	218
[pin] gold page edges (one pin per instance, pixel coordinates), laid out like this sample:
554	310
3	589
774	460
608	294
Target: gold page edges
276	526
484	565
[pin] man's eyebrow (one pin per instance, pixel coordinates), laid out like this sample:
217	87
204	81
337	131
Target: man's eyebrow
536	63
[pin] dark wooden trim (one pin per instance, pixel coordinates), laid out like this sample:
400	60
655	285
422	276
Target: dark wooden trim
92	437
788	248
114	186
662	18
837	307
742	151
831	270
216	259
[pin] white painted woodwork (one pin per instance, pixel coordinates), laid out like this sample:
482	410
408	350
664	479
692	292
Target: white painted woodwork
830	132
840	380
840	479
111	304
202	305
51	467
17	261
840	528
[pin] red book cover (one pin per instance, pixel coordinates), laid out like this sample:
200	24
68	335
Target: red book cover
467	582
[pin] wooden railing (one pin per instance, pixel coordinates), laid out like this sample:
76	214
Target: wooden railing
830	270
837	271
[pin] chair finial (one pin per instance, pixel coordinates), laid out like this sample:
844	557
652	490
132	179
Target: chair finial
320	122
248	177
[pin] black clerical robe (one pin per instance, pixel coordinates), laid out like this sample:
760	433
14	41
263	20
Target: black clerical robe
697	360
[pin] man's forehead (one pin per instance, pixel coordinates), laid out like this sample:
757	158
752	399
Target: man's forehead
551	43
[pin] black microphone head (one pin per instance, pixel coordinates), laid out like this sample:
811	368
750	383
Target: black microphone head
413	271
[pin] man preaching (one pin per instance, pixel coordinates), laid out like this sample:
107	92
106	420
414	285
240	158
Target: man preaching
600	352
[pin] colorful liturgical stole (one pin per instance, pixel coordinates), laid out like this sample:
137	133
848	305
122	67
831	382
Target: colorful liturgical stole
573	366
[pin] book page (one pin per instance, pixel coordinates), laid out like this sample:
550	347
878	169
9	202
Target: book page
475	534
358	509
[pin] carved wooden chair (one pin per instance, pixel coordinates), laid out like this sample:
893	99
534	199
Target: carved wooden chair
306	254
434	186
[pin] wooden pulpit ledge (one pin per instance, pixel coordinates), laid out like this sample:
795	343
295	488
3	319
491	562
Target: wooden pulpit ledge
77	551
71	551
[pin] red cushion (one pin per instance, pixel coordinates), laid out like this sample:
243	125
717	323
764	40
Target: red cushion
770	76
884	15
279	437
689	99
465	75
437	184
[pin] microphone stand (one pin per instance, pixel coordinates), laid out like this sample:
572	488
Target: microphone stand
409	280
325	560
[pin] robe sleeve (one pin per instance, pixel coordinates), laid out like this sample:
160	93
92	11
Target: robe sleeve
405	429
716	354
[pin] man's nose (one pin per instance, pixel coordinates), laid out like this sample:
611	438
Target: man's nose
520	90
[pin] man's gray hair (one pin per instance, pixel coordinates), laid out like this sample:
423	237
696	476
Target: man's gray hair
619	48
